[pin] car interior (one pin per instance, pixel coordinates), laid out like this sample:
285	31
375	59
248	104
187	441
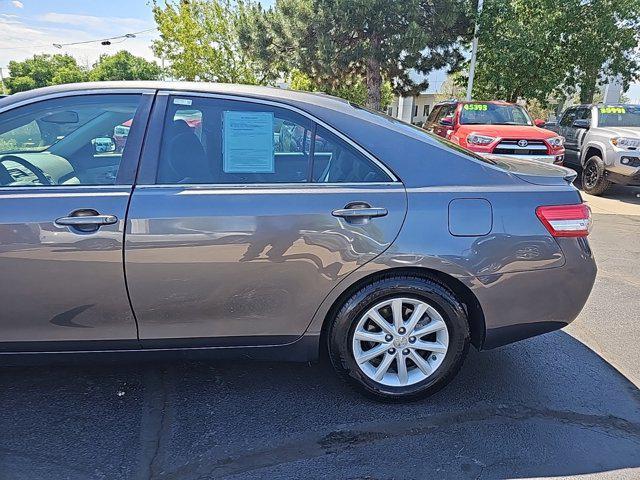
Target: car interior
63	147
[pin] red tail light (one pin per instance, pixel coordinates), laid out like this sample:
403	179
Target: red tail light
566	220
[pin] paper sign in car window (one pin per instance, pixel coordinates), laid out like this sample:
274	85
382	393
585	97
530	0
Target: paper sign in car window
475	107
248	142
613	110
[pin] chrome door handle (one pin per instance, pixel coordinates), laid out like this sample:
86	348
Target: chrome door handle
87	220
360	212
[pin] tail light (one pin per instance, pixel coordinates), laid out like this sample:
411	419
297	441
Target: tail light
566	220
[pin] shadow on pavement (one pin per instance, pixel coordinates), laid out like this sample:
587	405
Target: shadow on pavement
548	406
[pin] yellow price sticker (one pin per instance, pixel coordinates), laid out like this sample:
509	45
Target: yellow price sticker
475	107
612	110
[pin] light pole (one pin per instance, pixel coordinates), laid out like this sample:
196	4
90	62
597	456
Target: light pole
474	51
4	90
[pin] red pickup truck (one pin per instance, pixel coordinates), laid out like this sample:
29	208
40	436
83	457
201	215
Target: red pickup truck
496	129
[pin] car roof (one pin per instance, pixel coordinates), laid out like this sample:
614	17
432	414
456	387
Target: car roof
463	102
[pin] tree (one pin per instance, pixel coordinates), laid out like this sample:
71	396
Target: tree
338	41
43	70
124	66
355	91
199	40
535	50
603	43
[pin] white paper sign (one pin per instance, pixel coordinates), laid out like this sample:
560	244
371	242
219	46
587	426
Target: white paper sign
248	142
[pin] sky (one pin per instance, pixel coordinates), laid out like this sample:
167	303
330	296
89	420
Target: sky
28	27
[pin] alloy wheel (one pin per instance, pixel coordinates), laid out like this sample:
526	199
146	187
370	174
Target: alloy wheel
400	341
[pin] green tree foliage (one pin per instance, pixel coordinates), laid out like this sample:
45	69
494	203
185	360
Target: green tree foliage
355	91
124	66
199	39
335	42
43	70
553	47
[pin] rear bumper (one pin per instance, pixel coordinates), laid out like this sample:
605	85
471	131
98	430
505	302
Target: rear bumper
554	159
524	304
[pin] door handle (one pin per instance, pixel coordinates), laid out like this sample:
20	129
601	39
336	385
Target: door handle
87	220
361	212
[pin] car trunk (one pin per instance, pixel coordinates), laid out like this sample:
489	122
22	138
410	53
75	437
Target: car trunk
535	172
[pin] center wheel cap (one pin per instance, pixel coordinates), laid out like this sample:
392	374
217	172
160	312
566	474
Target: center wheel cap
400	342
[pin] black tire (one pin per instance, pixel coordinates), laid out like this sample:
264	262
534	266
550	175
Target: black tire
344	323
593	178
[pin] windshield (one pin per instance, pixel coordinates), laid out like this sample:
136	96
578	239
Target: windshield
619	116
492	114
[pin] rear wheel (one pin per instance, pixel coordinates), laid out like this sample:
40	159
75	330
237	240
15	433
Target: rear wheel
593	178
399	338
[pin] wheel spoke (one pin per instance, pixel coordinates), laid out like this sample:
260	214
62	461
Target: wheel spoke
431	327
403	376
435	347
380	321
422	364
383	367
396	308
371	354
417	314
364	336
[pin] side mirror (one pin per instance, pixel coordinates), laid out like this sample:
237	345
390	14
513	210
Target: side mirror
103	145
448	121
539	122
581	123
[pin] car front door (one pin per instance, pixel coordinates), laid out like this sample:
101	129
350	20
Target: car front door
245	216
568	131
63	202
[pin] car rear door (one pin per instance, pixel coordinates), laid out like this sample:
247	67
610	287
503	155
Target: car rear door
240	224
62	218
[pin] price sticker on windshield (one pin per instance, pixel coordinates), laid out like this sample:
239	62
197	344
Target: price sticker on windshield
475	107
613	110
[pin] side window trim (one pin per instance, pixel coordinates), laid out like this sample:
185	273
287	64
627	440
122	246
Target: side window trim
151	151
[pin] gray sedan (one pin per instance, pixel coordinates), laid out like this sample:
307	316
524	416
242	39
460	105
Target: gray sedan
266	223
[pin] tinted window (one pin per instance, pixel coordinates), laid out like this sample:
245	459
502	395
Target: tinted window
446	111
209	140
568	117
334	161
65	141
434	114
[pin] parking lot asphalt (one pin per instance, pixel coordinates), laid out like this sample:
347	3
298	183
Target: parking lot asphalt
565	404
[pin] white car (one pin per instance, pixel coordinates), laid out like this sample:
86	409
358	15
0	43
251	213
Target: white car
604	140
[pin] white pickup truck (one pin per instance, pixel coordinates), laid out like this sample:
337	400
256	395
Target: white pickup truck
604	141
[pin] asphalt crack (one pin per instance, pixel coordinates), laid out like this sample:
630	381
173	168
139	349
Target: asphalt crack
335	441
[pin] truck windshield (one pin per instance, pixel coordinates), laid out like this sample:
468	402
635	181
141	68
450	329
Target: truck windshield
619	116
493	114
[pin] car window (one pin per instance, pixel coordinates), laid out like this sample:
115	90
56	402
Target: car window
583	113
493	114
568	117
334	161
207	140
434	114
78	140
446	111
619	116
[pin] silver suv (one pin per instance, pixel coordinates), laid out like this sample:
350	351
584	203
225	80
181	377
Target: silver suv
604	140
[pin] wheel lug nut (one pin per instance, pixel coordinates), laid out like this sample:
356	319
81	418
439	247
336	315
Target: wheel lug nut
392	351
402	330
388	337
412	339
433	357
405	351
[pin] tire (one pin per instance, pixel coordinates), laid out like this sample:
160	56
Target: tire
593	179
412	292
